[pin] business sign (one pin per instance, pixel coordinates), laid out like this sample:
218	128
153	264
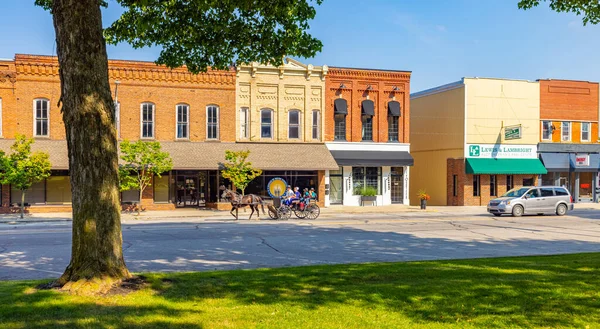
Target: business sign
512	132
276	187
582	160
500	151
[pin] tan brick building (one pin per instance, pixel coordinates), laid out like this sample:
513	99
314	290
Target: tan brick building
367	130
187	113
569	141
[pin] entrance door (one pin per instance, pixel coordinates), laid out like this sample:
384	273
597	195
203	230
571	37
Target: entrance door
397	184
336	192
188	191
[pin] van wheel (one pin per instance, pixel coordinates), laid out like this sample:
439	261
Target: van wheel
517	211
561	210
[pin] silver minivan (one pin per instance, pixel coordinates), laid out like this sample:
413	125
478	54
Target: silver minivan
532	200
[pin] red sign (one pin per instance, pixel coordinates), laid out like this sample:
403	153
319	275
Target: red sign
585	185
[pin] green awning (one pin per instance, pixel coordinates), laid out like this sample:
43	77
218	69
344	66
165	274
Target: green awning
505	166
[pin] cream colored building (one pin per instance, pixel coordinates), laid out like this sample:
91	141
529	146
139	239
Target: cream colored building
474	139
284	107
280	94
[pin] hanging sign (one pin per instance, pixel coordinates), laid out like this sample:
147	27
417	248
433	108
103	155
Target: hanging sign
512	132
582	160
276	187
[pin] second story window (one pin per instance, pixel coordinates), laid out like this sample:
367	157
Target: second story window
368	112
566	132
585	131
266	123
393	129
212	122
315	124
294	124
183	121
147	120
244	119
546	130
42	115
340	127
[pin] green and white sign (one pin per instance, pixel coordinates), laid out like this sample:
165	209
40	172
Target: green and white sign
512	132
501	151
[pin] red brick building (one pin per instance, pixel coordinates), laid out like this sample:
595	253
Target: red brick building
569	137
189	114
367	132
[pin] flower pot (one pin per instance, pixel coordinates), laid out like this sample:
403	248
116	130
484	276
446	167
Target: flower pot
423	204
365	198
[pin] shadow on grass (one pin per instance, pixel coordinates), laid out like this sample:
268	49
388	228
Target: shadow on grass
548	291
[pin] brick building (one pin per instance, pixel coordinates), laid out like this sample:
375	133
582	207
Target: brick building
475	139
189	114
367	130
569	142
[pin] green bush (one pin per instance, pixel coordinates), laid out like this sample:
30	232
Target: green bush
366	191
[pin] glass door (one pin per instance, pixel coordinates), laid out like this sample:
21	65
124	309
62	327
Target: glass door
187	190
397	184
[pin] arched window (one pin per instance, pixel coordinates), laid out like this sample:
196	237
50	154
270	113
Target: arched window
339	119
41	114
294	124
368	111
266	123
212	122
183	121
393	121
147	120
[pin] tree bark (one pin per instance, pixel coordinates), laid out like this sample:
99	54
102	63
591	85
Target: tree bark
89	116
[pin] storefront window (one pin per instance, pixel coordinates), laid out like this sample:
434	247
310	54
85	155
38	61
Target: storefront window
476	185
454	185
510	184
130	196
527	181
301	179
336	191
36	194
493	185
58	190
161	188
366	177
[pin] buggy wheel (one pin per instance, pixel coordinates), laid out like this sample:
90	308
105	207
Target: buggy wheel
313	211
284	212
301	214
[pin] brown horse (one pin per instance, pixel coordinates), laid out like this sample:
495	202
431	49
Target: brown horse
240	201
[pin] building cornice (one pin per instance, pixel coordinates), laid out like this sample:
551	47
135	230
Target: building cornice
347	73
127	71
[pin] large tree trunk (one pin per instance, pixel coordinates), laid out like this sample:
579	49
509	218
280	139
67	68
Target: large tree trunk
88	113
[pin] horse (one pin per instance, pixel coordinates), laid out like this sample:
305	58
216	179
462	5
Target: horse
240	201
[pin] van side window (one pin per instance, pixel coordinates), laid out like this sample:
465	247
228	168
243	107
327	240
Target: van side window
547	191
533	194
561	192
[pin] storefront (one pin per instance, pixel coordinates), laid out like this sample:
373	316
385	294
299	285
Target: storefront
575	167
382	167
489	170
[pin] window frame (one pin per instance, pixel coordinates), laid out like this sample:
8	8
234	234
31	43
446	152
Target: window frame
391	120
270	124
364	179
366	119
589	126
454	185
187	122
477	185
315	131
549	130
35	119
493	185
338	124
510	182
245	114
295	125
142	120
562	131
217	124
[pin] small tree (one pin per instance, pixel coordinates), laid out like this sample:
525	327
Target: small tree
238	170
21	168
142	160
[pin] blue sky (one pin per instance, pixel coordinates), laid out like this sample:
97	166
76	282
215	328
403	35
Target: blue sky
439	40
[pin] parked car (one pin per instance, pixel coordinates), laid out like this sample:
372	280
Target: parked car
532	200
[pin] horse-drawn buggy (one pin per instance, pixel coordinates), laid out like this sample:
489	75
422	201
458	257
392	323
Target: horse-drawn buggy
304	208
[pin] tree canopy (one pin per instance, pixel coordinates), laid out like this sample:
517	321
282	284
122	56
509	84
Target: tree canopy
589	9
238	170
200	34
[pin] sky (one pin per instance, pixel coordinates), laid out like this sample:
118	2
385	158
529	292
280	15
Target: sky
440	41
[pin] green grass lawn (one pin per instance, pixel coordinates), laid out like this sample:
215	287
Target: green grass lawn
523	292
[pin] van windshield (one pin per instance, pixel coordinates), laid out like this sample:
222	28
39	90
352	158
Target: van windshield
516	193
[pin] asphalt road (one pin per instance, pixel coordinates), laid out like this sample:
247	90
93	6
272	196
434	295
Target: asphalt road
42	250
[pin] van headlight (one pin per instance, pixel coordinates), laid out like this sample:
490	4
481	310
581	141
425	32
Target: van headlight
505	202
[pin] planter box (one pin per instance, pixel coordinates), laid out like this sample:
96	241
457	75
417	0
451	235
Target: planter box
372	199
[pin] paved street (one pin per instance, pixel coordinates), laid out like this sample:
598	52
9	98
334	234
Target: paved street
41	250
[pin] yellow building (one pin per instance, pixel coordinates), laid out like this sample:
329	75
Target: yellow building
474	139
